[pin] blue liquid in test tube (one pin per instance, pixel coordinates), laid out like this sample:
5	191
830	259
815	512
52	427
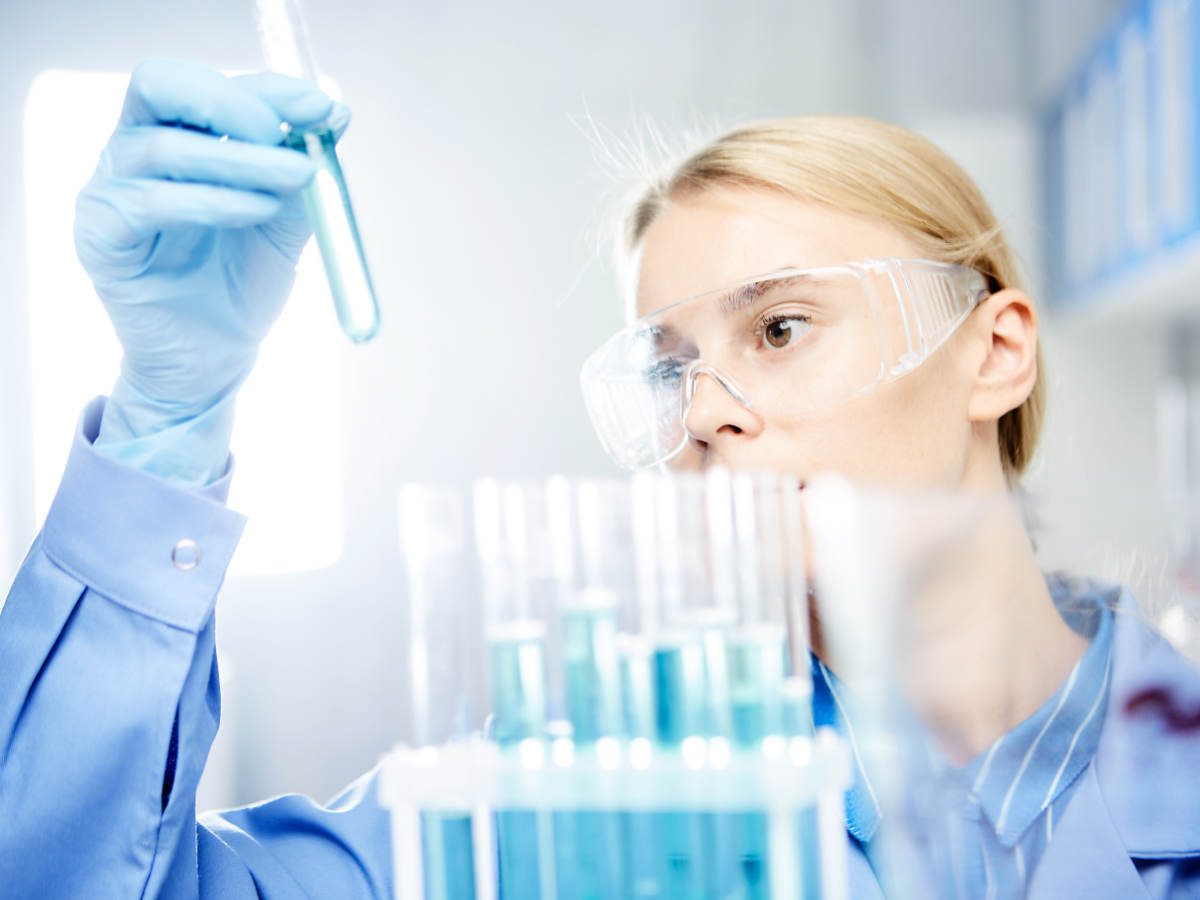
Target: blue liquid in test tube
525	839
590	864
756	657
447	854
679	683
796	694
720	828
446	834
639	832
592	678
283	34
756	673
327	202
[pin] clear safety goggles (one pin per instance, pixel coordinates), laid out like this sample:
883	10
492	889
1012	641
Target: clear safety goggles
794	343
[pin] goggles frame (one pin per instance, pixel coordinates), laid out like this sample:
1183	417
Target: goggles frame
933	299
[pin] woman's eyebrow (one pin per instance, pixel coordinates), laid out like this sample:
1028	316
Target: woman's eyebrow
665	336
750	294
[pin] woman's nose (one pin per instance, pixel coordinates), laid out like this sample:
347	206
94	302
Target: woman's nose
716	409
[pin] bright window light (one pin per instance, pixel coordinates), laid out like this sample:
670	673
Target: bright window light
288	435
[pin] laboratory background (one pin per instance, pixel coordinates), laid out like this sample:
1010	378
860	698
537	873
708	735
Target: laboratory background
489	147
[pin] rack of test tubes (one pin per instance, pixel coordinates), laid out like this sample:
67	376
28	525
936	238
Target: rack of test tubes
609	695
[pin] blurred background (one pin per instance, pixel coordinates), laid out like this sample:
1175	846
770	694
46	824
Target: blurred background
490	144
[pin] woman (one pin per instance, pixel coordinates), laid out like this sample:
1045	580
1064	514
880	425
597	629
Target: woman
824	192
110	695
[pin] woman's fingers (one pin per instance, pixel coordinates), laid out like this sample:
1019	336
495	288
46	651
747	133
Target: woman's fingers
176	154
248	107
123	213
339	120
171	92
296	101
195	148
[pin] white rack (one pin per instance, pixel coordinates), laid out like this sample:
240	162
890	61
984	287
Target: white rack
787	776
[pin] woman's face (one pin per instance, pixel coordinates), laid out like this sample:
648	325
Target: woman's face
912	432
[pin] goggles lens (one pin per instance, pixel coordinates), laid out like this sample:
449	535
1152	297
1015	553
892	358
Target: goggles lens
794	342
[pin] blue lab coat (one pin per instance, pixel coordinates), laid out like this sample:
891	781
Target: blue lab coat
109	702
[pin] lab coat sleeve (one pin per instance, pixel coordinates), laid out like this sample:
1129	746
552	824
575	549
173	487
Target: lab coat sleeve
109	702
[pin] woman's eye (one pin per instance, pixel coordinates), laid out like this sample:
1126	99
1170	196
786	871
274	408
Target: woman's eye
780	332
667	372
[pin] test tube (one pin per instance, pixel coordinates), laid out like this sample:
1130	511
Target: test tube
755	654
517	661
796	692
283	34
679	684
640	832
757	645
794	546
434	544
590	618
591	859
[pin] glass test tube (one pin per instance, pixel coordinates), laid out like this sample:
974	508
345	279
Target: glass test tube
731	636
590	618
590	862
590	666
796	690
283	34
434	543
679	688
757	647
640	832
795	589
515	636
517	668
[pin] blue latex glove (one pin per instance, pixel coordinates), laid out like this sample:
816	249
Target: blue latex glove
191	229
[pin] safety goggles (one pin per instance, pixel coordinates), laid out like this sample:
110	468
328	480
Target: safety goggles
795	342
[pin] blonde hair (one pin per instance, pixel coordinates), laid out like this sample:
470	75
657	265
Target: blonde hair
876	170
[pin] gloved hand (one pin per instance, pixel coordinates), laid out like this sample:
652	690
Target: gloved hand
191	229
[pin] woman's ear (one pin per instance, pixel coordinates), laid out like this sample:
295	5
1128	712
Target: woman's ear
1007	323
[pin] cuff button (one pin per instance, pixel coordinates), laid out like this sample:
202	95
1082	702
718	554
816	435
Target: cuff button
186	555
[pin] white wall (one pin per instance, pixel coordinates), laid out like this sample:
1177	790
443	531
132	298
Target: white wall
481	197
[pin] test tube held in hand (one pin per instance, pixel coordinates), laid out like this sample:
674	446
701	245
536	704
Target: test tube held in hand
283	34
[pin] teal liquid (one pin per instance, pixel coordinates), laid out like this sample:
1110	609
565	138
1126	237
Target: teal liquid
756	661
524	838
639	832
796	705
331	216
735	856
756	664
593	683
448	856
517	655
589	855
640	848
590	863
720	829
679	684
635	665
810	855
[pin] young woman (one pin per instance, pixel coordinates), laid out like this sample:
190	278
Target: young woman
852	306
778	277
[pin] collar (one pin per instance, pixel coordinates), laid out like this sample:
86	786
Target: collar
1020	775
829	707
1027	768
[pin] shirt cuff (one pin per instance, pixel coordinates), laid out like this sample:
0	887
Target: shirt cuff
152	546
